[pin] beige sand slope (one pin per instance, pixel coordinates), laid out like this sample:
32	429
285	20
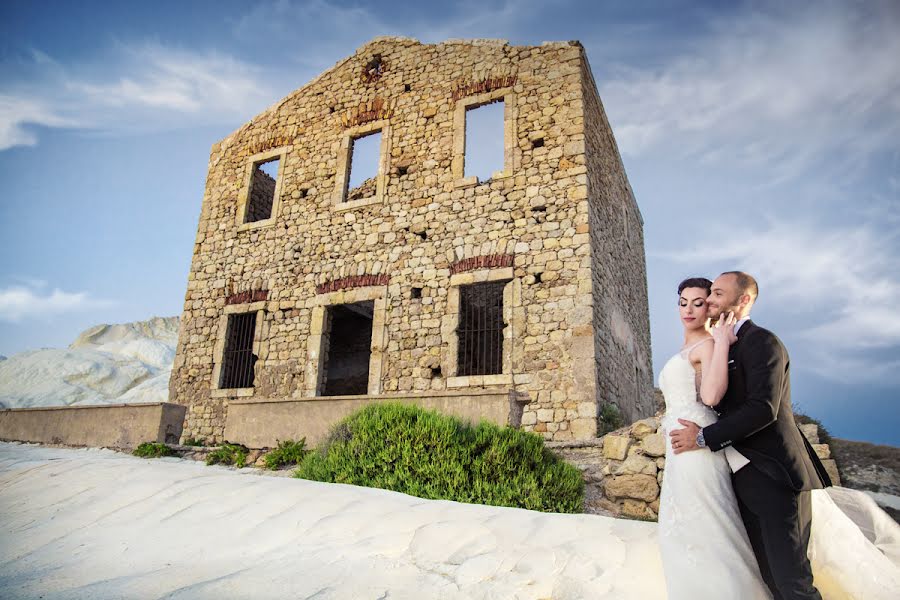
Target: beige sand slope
97	524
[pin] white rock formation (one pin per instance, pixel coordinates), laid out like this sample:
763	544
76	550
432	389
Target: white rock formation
97	524
106	364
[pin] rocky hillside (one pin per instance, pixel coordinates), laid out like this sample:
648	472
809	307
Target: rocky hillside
872	468
106	364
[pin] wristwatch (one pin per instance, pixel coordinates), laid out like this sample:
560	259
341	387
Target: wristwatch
701	443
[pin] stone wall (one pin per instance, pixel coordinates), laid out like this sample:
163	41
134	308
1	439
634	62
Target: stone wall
572	337
618	266
262	195
624	470
94	426
260	424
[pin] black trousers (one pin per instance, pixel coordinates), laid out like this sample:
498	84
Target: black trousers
778	521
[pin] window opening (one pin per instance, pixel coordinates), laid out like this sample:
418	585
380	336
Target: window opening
365	155
262	190
481	328
238	360
484	151
349	344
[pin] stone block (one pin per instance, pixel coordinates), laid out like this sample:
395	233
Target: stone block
637	464
616	446
832	470
811	431
636	509
654	444
637	487
644	427
822	451
583	428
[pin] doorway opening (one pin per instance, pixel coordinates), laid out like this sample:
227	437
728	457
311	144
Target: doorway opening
349	349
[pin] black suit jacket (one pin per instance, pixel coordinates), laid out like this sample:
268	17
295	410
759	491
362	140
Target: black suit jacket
756	415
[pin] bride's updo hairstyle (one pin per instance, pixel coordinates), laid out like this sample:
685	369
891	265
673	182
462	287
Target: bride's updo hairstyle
695	282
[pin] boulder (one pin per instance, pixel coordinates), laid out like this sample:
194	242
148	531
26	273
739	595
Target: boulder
811	431
637	464
637	487
615	446
832	470
822	451
636	509
644	427
654	444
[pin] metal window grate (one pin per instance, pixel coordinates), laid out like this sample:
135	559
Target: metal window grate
481	329
238	359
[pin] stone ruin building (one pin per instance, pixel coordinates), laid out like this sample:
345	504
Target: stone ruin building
518	297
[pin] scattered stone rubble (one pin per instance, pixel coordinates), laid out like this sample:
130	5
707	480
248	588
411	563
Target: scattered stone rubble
623	470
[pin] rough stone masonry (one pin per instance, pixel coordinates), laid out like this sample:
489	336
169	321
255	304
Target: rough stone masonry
557	226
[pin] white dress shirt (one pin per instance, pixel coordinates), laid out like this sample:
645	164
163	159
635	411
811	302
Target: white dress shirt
735	459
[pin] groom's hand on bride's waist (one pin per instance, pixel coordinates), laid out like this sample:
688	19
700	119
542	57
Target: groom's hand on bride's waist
684	440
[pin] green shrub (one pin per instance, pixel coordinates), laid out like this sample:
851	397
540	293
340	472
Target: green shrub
610	418
288	452
195	442
153	450
228	454
426	454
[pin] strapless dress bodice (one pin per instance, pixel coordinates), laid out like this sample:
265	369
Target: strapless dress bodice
677	380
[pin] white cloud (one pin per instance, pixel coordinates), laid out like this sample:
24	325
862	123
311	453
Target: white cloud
778	90
17	113
836	287
179	81
138	88
18	303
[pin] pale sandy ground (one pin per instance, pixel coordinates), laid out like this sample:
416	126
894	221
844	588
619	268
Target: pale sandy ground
96	524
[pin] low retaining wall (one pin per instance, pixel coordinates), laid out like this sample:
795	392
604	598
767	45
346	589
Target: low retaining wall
261	423
101	425
623	470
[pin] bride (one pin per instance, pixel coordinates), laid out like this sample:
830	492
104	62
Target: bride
704	546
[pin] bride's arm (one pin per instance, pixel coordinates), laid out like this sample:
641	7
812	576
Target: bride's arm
714	371
714	361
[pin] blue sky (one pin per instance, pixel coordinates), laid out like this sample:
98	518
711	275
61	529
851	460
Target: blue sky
756	136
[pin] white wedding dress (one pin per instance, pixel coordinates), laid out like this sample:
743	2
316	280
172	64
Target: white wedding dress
703	544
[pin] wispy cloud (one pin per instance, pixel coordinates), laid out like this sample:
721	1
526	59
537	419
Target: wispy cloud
780	90
18	303
141	87
837	287
17	113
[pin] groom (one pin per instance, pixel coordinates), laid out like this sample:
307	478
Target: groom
774	467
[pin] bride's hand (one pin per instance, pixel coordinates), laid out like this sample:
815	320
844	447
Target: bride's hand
723	329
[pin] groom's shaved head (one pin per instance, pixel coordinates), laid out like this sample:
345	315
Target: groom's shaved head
746	284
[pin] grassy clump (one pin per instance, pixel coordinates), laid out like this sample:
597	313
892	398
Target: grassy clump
802	419
195	442
288	452
153	450
610	418
426	454
228	454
